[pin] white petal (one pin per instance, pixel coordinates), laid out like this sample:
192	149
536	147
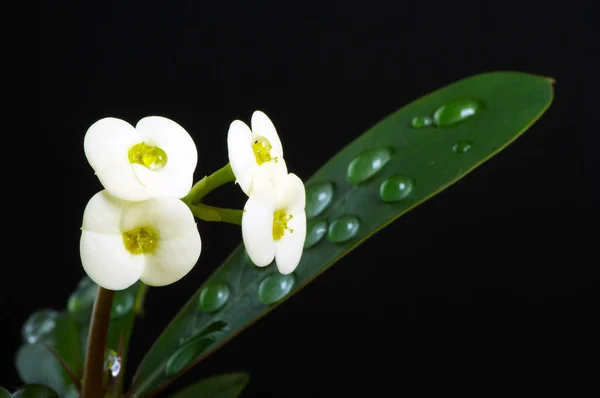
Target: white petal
102	214
241	156
120	181
108	142
106	260
263	126
170	181
168	217
257	231
176	178
171	138
288	249
291	194
266	179
172	260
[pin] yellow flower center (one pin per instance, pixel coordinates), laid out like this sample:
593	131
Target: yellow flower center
280	221
151	157
140	240
262	150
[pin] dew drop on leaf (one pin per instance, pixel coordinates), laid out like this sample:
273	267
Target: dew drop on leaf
456	111
396	188
275	287
343	229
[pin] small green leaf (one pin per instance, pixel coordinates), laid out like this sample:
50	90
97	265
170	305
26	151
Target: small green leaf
4	393
36	364
35	391
381	175
81	301
38	325
221	386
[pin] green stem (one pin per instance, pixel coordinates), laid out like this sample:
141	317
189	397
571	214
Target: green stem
211	213
209	183
94	364
139	299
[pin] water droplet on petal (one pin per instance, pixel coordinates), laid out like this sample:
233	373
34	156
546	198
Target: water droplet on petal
396	188
343	229
456	111
462	146
39	324
368	164
315	231
421	121
275	287
213	297
318	198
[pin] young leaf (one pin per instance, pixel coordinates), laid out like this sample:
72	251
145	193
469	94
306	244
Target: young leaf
35	391
36	364
405	159
4	393
221	386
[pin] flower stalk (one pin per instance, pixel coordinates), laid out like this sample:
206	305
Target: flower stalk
208	184
94	364
212	213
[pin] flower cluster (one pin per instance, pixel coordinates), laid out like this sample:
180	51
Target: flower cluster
274	220
138	228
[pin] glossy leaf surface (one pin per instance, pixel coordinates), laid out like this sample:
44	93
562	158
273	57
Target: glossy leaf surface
376	178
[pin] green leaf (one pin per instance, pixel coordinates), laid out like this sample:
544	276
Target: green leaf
4	393
372	181
35	363
35	391
221	386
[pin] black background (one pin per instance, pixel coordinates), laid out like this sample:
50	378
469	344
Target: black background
488	282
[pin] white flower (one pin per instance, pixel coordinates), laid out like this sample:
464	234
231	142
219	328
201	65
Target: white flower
274	221
155	240
156	157
250	150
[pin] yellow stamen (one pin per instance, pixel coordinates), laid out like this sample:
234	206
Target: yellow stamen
151	157
140	240
280	221
262	150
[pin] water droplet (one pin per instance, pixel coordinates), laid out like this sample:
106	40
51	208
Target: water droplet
112	363
462	146
318	198
456	111
39	324
122	304
187	354
396	188
421	121
344	228
213	297
368	164
315	231
275	287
